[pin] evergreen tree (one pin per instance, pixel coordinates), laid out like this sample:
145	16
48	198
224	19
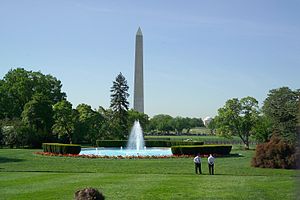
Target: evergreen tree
119	106
282	107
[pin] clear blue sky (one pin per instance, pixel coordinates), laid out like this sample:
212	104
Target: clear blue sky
197	54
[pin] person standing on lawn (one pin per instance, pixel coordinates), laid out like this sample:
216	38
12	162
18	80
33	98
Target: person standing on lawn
197	161
211	163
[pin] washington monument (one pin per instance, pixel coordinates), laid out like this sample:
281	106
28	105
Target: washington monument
138	102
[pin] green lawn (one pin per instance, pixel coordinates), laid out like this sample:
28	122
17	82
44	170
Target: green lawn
25	175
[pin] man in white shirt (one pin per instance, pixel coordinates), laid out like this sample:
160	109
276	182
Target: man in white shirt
197	161
211	163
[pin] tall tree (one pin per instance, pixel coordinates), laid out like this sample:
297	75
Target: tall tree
38	115
212	126
193	123
238	117
106	131
18	91
179	123
263	129
282	107
119	106
91	124
19	86
65	120
298	123
162	123
48	85
4	102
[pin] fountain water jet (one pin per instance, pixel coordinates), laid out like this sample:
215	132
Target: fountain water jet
136	138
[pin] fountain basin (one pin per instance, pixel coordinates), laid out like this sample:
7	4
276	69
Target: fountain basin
108	151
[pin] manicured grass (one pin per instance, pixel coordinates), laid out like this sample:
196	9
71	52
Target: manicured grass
25	175
200	130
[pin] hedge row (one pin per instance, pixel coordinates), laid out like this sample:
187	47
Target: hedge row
169	143
148	143
157	138
111	143
61	148
201	149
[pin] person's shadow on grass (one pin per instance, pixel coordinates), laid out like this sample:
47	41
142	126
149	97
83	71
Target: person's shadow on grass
6	160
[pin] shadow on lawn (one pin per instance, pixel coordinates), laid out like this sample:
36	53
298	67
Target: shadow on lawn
231	155
5	159
49	171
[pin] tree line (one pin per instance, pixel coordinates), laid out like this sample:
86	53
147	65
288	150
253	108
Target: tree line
33	110
279	116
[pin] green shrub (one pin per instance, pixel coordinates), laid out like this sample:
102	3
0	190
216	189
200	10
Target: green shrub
157	143
61	148
180	142
111	143
276	154
201	149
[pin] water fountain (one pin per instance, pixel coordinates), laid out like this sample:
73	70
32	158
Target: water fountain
136	138
135	147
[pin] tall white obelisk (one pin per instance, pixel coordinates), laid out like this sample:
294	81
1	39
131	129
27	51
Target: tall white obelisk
138	102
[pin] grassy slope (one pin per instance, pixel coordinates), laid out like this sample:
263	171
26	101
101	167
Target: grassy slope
25	175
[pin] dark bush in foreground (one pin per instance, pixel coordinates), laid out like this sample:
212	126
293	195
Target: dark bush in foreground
148	143
275	154
61	148
202	149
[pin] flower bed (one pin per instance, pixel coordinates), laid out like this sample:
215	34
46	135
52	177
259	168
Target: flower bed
110	157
